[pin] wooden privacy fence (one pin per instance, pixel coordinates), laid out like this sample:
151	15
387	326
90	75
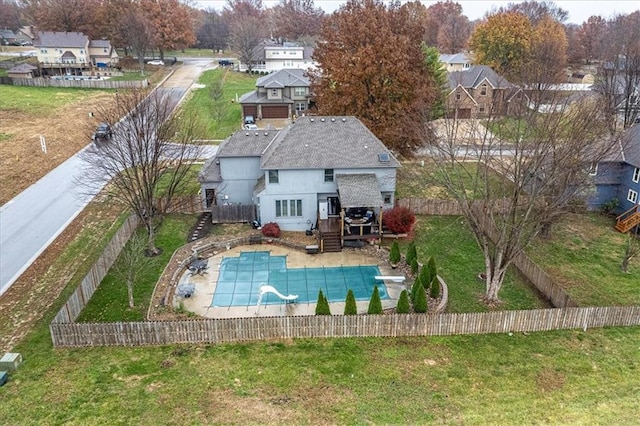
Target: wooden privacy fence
233	213
266	328
84	84
78	300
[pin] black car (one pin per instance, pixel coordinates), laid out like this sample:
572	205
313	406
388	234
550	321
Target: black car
103	132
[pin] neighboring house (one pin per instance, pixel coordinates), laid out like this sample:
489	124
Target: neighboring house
7	37
22	71
26	32
456	62
618	176
480	92
73	54
271	56
279	95
581	78
331	173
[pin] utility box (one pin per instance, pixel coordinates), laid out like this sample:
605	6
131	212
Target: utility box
4	376
10	361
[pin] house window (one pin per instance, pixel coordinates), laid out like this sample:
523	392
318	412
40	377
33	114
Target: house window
273	176
483	90
482	109
328	175
288	64
636	175
300	91
288	208
300	107
632	196
82	51
458	96
386	198
593	169
274	92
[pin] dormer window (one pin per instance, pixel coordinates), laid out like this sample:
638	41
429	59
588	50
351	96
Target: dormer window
483	90
274	92
458	96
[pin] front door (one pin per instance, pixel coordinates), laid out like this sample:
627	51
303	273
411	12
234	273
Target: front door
334	206
322	210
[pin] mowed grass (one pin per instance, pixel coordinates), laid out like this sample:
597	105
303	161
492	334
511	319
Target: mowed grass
562	377
40	100
584	254
201	101
421	179
110	301
459	261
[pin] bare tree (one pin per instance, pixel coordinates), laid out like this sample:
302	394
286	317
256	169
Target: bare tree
146	161
514	181
131	262
136	30
213	33
246	34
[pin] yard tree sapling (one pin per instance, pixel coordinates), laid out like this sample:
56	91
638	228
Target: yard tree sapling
403	303
420	301
350	307
375	305
322	306
131	262
394	254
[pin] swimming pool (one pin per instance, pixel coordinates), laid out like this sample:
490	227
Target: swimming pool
240	278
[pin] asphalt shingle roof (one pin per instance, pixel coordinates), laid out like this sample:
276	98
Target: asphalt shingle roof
315	142
631	145
60	39
359	190
475	75
284	78
246	143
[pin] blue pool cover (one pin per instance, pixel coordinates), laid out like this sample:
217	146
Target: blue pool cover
241	277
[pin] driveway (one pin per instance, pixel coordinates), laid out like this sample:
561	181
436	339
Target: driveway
34	218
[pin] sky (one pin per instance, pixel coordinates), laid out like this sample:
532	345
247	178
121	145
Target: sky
579	10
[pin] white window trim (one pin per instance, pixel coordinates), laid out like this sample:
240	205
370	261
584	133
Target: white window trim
636	175
632	196
287	208
593	170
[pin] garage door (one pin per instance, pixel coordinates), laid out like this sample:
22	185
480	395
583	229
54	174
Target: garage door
461	113
275	111
250	110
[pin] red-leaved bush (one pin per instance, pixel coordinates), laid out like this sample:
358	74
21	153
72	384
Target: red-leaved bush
271	230
398	220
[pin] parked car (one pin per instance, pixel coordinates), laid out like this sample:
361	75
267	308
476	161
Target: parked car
225	62
103	132
155	62
249	120
250	127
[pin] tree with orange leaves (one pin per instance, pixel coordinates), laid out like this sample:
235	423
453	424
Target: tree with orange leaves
171	24
372	66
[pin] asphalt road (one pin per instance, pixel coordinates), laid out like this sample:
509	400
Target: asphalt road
35	217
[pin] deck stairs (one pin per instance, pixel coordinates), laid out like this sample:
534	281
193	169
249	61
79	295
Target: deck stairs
629	219
331	242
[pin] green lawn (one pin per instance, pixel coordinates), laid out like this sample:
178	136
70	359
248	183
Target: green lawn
459	261
200	101
426	181
110	302
130	76
584	255
567	377
40	100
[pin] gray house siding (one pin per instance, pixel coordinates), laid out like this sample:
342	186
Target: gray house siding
607	180
310	187
240	177
627	184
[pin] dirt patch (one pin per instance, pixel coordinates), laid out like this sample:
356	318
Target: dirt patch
66	131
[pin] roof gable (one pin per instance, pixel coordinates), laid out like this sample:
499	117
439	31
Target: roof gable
476	75
284	78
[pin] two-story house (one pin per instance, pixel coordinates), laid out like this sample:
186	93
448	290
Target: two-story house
329	173
617	177
279	95
480	92
273	56
73	54
456	62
